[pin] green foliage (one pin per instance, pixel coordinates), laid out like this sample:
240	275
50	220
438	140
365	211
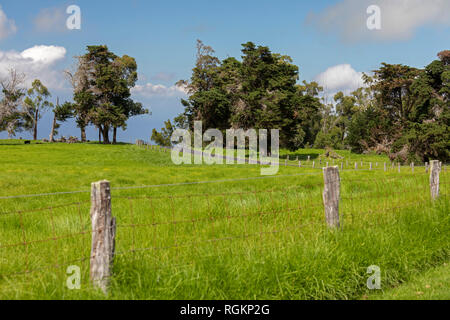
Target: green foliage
102	94
34	105
258	92
163	138
404	112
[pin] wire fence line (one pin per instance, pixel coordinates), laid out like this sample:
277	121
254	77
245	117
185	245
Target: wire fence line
326	160
193	182
161	224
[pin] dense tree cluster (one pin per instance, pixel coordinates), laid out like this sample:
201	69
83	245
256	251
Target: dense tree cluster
401	111
260	91
102	83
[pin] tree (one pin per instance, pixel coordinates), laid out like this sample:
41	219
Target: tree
104	86
12	93
83	95
208	100
258	92
35	105
61	113
163	138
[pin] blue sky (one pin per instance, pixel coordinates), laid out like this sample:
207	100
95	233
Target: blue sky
328	40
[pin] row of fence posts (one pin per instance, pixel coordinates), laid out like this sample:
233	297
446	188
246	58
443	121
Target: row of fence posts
142	143
332	189
104	224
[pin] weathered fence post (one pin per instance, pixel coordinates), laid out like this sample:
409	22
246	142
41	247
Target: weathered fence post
331	195
299	164
356	165
342	166
385	168
426	167
314	164
309	158
412	167
370	166
435	169
399	167
103	235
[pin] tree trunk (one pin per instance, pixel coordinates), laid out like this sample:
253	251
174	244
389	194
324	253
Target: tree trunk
99	134
106	135
115	135
35	126
83	134
53	129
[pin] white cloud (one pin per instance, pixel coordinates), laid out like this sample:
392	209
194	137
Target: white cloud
153	90
7	26
341	77
50	20
36	62
400	19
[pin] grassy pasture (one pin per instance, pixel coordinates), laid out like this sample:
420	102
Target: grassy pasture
260	238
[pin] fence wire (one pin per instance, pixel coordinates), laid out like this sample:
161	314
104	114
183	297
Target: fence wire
178	228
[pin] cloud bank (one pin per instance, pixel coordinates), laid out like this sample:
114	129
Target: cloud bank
36	62
400	19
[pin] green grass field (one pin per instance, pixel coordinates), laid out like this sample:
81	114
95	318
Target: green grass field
241	236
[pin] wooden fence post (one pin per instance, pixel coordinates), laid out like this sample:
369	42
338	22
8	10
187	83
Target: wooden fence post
103	235
399	167
309	158
356	165
331	195
299	164
426	167
314	164
412	167
370	166
435	169
385	169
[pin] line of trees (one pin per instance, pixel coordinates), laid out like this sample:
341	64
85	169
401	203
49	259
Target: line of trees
101	85
401	111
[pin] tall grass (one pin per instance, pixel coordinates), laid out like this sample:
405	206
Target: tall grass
253	239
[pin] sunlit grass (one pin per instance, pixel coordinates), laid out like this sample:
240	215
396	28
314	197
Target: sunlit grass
260	238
